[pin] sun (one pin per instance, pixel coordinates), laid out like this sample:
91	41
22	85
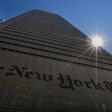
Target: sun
97	41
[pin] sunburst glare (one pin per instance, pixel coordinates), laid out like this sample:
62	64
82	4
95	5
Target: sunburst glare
94	46
97	41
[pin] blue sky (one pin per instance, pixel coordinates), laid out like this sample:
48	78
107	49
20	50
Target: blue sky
90	16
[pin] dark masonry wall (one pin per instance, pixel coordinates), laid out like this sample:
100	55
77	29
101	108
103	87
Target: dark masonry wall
42	69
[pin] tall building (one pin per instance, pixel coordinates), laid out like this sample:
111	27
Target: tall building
48	65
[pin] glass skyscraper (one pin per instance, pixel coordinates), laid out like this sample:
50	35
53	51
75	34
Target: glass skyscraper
48	65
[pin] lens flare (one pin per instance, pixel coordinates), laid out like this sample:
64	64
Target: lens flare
97	41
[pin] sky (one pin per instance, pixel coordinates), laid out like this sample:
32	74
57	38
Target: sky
89	16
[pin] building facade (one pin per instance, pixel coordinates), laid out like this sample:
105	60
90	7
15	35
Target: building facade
48	65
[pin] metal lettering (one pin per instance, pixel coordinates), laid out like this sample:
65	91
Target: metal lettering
65	83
